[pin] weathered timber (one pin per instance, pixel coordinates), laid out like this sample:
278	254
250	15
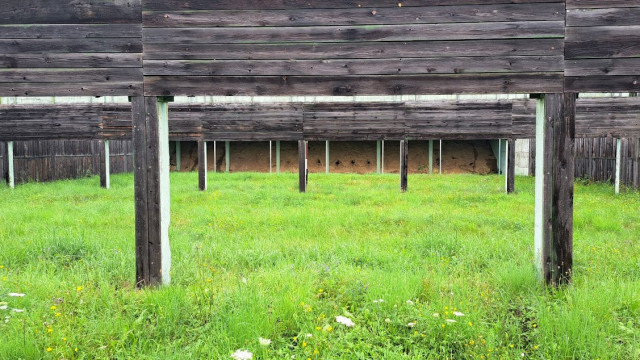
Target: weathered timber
202	165
404	164
511	165
555	204
11	180
105	161
151	138
302	166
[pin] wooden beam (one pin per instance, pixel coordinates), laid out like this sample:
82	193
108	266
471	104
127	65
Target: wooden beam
151	144
302	165
105	176
278	157
11	177
227	156
511	166
270	156
178	155
378	156
326	155
618	165
554	188
202	165
382	156
440	159
404	159
430	156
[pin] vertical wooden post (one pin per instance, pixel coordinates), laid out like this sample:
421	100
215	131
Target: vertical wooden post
511	166
555	137
270	157
215	156
202	165
278	157
151	146
440	159
11	175
178	155
378	156
430	156
227	155
326	156
302	168
404	159
382	156
618	164
105	176
500	168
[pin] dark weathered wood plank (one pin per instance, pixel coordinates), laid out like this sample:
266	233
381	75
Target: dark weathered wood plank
404	164
81	47
358	85
70	11
464	31
139	115
355	50
602	83
609	16
458	65
71	31
74	60
511	166
202	165
602	67
585	4
356	16
302	166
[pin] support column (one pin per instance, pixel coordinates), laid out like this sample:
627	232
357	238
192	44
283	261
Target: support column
511	166
227	155
382	155
278	157
618	164
440	159
378	156
105	171
326	155
215	156
202	165
555	151
178	155
404	159
151	147
302	165
430	156
11	175
270	157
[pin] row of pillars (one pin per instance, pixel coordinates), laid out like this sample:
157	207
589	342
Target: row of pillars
555	134
555	137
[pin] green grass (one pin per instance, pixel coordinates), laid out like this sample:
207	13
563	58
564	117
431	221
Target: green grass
254	258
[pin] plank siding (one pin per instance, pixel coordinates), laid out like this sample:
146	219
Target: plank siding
348	48
66	47
602	46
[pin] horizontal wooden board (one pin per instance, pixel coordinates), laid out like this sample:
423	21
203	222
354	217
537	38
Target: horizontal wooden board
70	11
356	16
73	60
354	122
64	46
476	31
523	119
604	17
602	67
458	65
70	76
355	50
70	31
353	85
168	5
586	4
129	88
629	83
617	48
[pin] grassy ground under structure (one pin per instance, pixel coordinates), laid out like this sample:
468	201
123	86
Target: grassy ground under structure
444	271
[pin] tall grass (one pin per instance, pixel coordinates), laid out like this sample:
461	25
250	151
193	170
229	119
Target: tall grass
254	258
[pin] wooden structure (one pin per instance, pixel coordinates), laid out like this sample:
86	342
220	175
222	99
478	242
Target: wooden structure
152	49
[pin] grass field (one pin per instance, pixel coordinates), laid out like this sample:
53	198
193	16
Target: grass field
254	258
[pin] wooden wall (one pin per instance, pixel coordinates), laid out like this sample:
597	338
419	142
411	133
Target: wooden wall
48	160
338	47
602	49
596	160
70	47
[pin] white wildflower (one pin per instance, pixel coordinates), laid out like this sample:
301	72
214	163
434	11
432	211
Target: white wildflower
387	320
436	315
411	324
17	310
458	313
6	319
244	280
3	307
409	302
378	301
309	335
345	321
264	342
242	355
16	295
450	320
